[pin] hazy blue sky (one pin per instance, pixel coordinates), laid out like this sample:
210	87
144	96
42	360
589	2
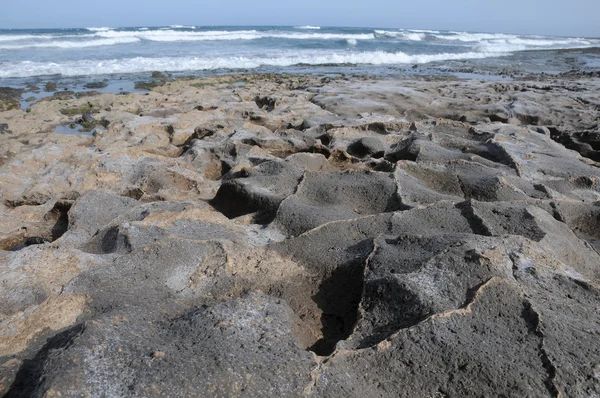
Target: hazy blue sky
560	17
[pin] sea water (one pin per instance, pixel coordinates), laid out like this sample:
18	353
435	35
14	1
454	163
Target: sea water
105	51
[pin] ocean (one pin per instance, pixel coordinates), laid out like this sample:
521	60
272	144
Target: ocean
31	56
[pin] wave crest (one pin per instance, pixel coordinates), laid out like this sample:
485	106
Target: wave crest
71	44
216	35
181	64
404	35
102	29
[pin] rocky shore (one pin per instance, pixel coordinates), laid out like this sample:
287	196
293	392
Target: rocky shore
266	235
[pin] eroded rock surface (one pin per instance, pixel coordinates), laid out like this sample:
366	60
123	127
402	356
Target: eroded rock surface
299	236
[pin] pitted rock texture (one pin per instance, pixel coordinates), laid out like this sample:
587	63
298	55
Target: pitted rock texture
304	236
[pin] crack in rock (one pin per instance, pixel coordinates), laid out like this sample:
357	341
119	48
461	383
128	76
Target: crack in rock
534	323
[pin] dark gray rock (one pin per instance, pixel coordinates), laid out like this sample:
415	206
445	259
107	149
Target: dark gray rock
94	209
243	347
125	233
559	308
434	359
367	146
258	190
411	277
325	197
9	98
4	129
310	161
266	103
50	87
95	85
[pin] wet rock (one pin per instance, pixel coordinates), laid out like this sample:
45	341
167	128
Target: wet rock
158	75
63	95
9	98
148	85
84	94
87	117
50	87
96	85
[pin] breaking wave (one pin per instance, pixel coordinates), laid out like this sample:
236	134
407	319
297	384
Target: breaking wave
216	35
489	42
406	35
181	64
102	29
25	53
72	44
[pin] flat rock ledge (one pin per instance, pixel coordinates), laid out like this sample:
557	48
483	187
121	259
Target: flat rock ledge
304	236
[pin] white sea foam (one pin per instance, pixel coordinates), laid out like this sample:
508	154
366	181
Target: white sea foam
180	64
71	44
309	27
500	42
182	26
173	35
486	42
404	35
341	49
423	31
18	38
102	29
414	36
169	34
526	43
24	37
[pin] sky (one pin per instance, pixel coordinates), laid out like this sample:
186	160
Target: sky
549	17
